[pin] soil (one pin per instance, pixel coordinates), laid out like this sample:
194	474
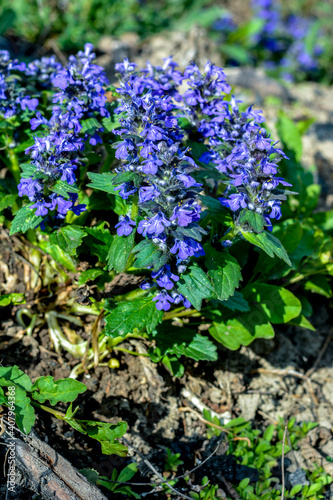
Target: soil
285	377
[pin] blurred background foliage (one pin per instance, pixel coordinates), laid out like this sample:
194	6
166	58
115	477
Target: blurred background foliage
291	39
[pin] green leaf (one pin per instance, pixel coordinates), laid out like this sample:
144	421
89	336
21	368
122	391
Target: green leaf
98	241
175	367
140	314
24	412
12	375
12	298
25	219
224	271
296	489
148	254
110	123
65	390
244	329
237	303
59	255
124	177
128	472
319	284
7	20
103	182
113	448
90	275
289	135
91	474
68	238
255	220
119	252
63	188
3	399
303	322
103	432
90	124
182	341
279	304
269	243
217	211
195	286
7	201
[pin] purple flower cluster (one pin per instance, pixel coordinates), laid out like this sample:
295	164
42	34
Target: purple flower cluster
239	146
57	154
13	92
281	42
150	149
286	38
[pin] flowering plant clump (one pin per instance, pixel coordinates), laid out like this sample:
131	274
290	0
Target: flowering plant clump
56	155
169	185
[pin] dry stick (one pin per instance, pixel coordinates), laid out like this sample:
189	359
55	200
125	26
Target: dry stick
220	427
151	467
282	458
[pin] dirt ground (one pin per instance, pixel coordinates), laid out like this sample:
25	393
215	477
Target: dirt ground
291	375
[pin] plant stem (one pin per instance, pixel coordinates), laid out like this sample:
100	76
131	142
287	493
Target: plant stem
178	314
13	165
132	352
56	413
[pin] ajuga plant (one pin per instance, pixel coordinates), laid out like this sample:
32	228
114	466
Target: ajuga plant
290	45
169	185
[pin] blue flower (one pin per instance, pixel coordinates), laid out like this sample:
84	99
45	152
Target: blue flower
124	226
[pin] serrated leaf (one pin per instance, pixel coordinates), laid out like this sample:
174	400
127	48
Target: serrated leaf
12	298
110	123
65	390
124	177
12	375
279	304
140	314
24	412
182	341
119	252
269	243
63	188
90	124
255	220
195	286
68	238
103	182
224	271
7	201
25	219
244	329
148	254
